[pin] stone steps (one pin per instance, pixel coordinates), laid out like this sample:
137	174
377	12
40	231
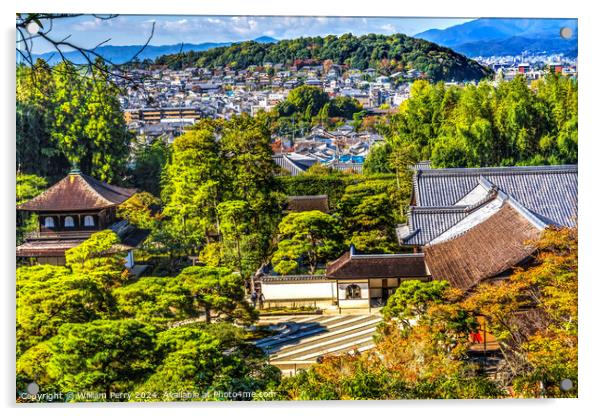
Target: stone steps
320	344
302	329
334	348
302	339
367	324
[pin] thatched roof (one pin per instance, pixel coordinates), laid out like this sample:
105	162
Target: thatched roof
307	203
76	192
485	250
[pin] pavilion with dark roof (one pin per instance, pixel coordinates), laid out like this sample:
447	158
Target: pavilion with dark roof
72	210
367	280
303	203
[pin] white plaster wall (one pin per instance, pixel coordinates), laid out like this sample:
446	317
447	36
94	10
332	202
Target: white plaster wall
309	290
354	303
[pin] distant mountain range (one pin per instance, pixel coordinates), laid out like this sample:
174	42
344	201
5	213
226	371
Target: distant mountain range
122	54
495	37
480	37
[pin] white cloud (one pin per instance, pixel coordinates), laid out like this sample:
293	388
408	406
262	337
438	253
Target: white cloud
90	24
134	30
388	28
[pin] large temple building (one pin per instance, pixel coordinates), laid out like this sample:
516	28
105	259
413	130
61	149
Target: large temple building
72	210
465	225
474	224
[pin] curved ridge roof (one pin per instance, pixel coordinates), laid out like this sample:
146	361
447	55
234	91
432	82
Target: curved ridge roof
77	191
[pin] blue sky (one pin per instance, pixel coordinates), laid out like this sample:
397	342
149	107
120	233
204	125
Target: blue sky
89	31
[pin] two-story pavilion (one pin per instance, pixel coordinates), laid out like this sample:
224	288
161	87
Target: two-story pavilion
70	211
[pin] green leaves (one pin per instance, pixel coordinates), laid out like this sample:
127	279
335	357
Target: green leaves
207	359
140	210
197	291
103	356
312	236
368	213
49	296
412	299
388	54
71	119
216	290
225	165
486	125
29	186
156	300
79	331
99	256
149	162
305	100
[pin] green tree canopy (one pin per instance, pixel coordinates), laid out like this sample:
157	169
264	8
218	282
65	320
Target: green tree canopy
88	126
216	291
99	256
149	160
102	356
412	299
511	123
208	360
311	237
49	296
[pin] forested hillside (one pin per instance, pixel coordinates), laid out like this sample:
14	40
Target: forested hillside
387	54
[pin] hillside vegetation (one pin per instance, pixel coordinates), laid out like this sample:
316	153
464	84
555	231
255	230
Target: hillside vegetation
387	54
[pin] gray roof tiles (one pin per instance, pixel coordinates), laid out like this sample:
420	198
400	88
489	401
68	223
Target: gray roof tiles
550	192
426	223
547	192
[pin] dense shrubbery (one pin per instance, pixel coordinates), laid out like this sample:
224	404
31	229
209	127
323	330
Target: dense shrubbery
65	118
89	326
332	184
488	125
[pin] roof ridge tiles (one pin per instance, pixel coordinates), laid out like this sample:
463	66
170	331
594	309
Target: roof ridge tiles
308	196
506	200
385	255
491	195
497	169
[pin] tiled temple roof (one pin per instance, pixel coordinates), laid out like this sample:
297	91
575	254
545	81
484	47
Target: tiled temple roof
351	265
77	191
489	248
548	191
307	203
